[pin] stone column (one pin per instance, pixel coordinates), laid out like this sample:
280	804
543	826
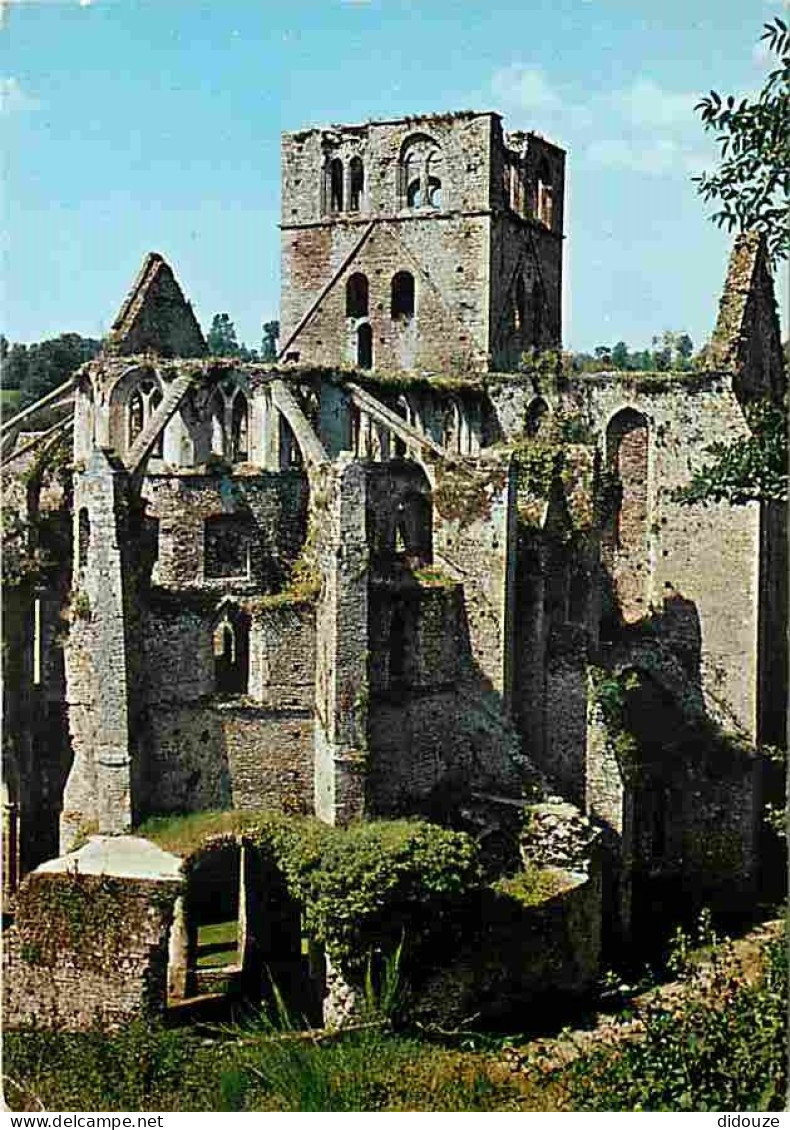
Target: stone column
342	652
99	789
180	954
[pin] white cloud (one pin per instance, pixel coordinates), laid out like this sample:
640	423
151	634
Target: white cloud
645	103
656	157
522	88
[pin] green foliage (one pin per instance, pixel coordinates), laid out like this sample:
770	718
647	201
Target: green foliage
533	885
355	885
151	1068
81	605
271	332
386	994
721	1047
752	183
39	368
752	467
672	352
9	402
611	690
222	341
88	915
465	496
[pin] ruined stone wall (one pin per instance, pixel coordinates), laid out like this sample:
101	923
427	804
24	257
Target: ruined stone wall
474	542
454	238
564	719
100	656
430	729
86	951
526	290
448	330
706	557
342	695
265	513
242	752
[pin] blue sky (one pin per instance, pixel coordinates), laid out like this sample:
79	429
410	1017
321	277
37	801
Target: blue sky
134	126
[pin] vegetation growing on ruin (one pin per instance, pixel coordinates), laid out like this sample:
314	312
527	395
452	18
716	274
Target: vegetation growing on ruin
610	690
354	884
716	1043
723	1047
534	885
751	468
76	911
465	496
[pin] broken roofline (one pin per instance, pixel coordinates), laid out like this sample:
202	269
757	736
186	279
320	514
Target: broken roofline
436	116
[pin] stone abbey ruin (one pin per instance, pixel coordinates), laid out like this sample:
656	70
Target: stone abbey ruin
400	572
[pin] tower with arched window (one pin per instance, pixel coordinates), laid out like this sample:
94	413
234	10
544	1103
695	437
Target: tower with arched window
431	243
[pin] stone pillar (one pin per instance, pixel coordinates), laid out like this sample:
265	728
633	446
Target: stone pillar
251	921
342	1003
180	954
609	802
342	651
99	790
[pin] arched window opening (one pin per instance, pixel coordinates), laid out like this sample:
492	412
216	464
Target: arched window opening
355	428
420	173
414	528
402	304
578	597
451	428
218	425
433	179
365	346
545	197
158	447
626	459
290	451
136	416
336	185
397	645
536	413
357	296
83	537
356	186
520	304
239	428
403	409
231	654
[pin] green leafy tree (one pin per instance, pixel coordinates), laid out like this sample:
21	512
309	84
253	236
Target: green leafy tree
620	355
222	340
44	365
752	187
751	468
752	183
271	332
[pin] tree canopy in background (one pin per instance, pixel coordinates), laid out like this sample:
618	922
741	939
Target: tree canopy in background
39	368
752	183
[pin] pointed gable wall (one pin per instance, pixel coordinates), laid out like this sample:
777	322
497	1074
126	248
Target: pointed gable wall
156	317
747	336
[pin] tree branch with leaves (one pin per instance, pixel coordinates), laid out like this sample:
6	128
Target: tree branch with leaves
752	183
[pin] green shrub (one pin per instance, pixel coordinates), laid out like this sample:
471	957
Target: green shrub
722	1048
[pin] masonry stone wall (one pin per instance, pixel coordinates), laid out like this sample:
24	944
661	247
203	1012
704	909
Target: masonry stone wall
453	238
694	552
270	511
203	751
87	951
